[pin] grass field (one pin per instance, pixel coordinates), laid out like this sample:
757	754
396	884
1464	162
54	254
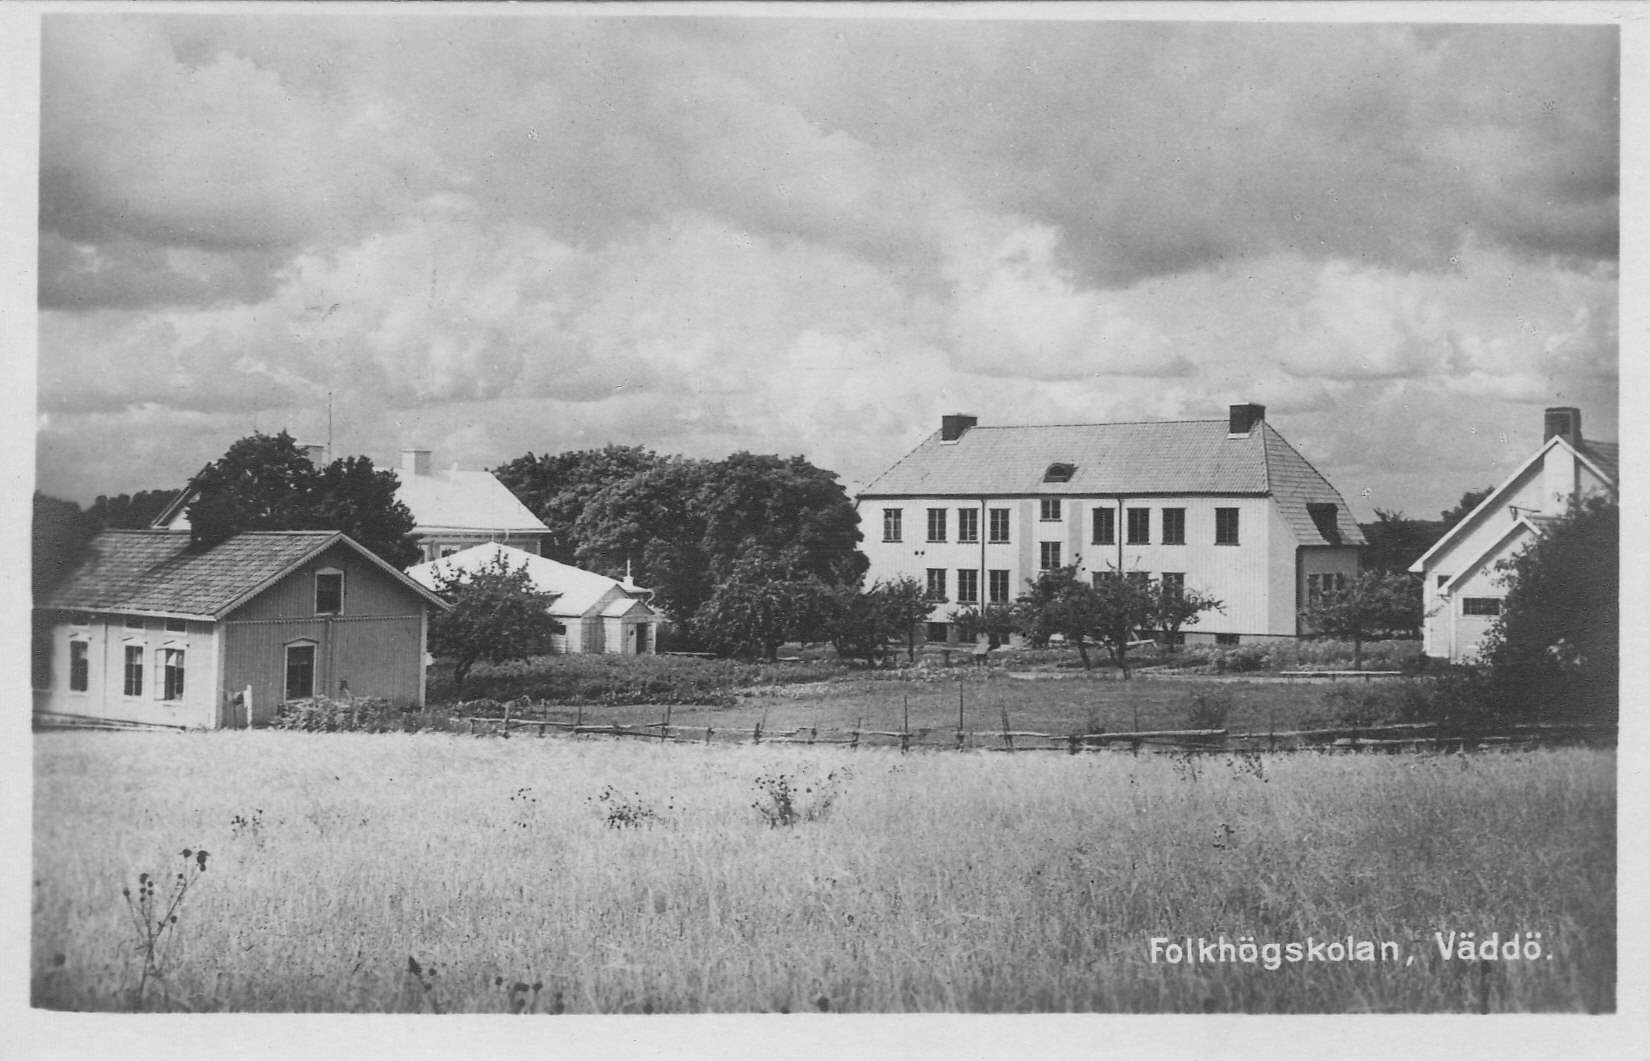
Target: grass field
625	878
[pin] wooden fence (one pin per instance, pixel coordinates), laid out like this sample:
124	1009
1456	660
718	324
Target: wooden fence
1392	737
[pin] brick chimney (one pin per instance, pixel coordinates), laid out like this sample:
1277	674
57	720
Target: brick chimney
1243	420
1563	420
415	462
953	425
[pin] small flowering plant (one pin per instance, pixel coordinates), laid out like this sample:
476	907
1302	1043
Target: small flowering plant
155	912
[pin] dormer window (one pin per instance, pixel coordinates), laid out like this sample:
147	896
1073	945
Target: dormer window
1324	518
1059	472
329	592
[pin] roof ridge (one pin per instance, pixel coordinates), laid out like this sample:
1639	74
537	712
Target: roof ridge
1097	423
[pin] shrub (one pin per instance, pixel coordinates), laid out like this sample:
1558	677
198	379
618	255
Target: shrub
581	679
1242	659
1209	710
322	714
786	799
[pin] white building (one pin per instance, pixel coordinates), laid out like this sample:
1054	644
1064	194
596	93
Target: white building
1463	590
596	614
1227	507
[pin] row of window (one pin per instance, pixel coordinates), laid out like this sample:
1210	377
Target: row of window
168	666
997	581
132	622
1171	523
941	632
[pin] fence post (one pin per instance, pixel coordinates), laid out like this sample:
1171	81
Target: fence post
1071	744
708	732
853	744
507	720
1008	738
905	729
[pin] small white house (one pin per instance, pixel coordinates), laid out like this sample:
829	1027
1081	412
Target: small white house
596	614
1463	590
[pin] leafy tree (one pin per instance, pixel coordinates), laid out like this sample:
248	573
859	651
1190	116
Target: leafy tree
497	615
995	622
1469	501
1394	541
1108	610
557	487
61	541
265	482
1371	604
1555	650
758	607
686	524
1175	606
130	511
863	623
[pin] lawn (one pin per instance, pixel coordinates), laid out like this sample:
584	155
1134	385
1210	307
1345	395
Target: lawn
613	877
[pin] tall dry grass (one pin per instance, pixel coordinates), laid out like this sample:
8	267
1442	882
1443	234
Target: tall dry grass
934	882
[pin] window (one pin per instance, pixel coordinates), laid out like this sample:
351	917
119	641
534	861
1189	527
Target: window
936	524
80	667
1480	605
997	585
1139	578
1140	526
134	622
1174	582
1323	517
999	524
968	524
1226	526
968	586
1050	510
1319	585
557	627
1174	526
134	671
891	529
936	583
1226	639
171	673
1048	555
1059	473
1105	526
1100	577
177	626
329	592
300	671
938	631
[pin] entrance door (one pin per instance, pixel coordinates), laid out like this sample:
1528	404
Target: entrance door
300	671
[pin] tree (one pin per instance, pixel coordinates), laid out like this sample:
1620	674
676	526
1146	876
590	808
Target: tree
61	540
1555	649
130	511
1175	606
557	488
1469	501
497	615
265	482
758	607
1108	610
686	524
993	621
1371	604
1393	542
862	623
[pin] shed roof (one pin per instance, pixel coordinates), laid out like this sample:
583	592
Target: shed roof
578	592
158	572
1173	458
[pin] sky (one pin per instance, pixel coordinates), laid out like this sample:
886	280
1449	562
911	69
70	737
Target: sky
488	235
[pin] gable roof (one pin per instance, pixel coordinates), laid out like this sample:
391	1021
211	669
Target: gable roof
465	501
1172	458
1603	457
577	591
157	572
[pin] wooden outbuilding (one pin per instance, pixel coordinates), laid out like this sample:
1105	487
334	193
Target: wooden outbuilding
153	629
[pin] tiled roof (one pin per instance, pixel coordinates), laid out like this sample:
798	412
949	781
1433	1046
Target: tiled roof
1607	455
458	500
577	590
150	571
1176	458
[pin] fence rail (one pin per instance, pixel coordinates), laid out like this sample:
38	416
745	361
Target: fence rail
1389	737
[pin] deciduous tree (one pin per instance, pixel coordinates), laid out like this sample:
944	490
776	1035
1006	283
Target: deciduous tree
265	482
497	615
758	607
1371	604
1554	652
863	623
